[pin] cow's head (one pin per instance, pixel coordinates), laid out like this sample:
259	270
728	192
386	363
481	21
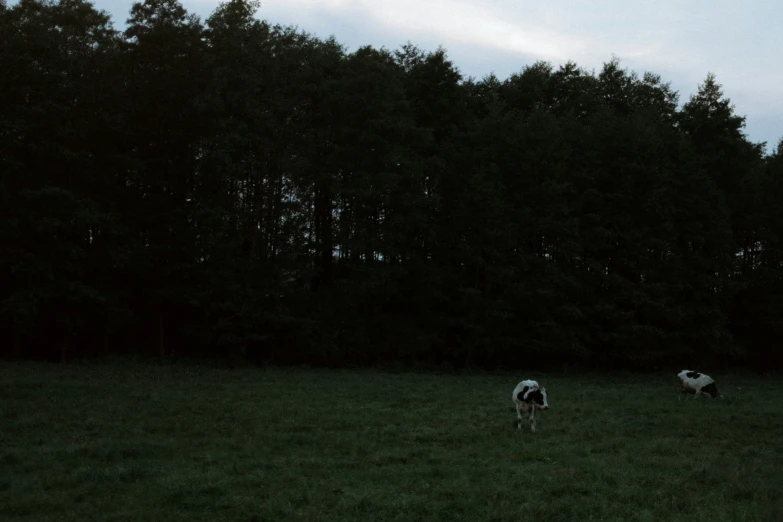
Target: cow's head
535	396
544	405
711	390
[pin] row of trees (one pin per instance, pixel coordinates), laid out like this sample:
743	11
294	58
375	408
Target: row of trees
231	187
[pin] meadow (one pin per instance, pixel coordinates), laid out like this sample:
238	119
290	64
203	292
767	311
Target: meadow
128	441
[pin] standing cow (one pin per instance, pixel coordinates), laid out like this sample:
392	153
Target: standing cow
528	396
697	383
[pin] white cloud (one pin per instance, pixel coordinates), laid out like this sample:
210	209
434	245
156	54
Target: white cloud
451	22
680	40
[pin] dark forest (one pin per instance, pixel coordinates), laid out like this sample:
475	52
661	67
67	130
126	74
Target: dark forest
230	188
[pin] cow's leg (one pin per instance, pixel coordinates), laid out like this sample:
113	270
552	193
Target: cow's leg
519	418
533	419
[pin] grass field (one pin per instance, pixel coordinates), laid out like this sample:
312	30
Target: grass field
168	443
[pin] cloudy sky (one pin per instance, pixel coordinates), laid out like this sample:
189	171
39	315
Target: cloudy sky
682	40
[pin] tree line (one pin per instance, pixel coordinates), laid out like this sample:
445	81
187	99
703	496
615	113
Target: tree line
229	187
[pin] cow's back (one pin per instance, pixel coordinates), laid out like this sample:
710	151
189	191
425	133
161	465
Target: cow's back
521	386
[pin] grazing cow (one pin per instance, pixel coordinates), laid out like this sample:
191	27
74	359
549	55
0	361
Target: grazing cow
528	396
697	383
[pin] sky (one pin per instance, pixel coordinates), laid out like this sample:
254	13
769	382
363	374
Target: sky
681	40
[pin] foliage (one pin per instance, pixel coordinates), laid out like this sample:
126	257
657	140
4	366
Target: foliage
228	187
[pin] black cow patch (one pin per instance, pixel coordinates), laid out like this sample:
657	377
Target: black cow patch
711	389
535	396
693	375
521	395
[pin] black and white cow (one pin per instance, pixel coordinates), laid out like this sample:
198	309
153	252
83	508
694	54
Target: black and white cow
697	383
528	396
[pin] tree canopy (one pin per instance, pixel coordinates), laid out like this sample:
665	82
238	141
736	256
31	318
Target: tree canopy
229	187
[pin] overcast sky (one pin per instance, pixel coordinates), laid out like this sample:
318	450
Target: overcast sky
682	40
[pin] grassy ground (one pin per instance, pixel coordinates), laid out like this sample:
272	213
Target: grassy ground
169	443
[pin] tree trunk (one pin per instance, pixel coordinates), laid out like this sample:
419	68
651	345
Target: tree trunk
323	215
274	212
258	226
160	336
18	345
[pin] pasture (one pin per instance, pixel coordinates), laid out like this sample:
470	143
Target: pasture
138	442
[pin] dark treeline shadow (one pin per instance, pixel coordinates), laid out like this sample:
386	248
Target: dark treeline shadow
231	188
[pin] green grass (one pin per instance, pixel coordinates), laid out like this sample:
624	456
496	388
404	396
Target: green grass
168	443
